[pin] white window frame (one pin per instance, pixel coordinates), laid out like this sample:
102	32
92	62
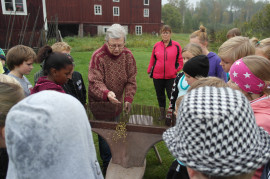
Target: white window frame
144	2
116	0
146	12
138	28
24	12
96	9
118	10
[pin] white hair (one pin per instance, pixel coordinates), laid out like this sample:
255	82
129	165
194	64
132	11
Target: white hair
116	31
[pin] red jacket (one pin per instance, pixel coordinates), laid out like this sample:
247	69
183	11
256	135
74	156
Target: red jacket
261	108
166	60
44	84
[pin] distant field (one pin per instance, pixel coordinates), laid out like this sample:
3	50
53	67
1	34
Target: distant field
141	47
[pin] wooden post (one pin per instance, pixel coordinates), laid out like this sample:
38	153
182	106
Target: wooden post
80	32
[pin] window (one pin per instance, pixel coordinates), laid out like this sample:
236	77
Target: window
105	29
17	7
138	30
146	2
146	12
116	11
98	9
116	0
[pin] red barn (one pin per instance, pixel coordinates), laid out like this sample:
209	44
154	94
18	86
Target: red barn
95	16
21	22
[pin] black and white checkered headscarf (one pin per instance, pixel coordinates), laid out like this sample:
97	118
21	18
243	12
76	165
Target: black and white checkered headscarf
216	133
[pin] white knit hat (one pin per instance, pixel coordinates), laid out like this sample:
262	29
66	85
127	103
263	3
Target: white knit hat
216	133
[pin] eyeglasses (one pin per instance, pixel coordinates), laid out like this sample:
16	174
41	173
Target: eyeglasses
165	33
114	46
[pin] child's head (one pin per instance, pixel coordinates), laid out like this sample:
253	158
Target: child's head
262	48
44	132
191	50
197	66
214	141
233	32
234	49
208	81
201	82
2	57
61	47
251	75
21	59
199	37
57	66
11	92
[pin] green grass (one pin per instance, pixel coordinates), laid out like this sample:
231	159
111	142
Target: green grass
141	47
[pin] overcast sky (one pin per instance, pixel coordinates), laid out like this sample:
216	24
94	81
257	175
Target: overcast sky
190	1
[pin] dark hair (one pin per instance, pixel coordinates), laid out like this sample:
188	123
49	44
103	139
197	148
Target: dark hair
165	28
52	59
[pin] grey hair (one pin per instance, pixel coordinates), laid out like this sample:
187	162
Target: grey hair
116	31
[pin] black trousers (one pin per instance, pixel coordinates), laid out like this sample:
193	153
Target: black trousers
161	85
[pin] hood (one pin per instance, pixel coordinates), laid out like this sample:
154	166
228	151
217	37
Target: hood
44	84
261	105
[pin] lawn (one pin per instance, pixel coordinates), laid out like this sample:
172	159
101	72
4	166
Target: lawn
141	47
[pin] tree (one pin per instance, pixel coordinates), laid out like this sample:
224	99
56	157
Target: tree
171	16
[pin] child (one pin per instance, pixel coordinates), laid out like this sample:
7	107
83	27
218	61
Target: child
74	86
11	92
61	47
48	135
1	68
251	75
57	67
216	136
200	37
178	169
262	48
3	61
234	49
197	66
233	32
20	61
180	85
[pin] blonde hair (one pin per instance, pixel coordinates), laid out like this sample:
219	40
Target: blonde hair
201	34
18	54
201	82
193	48
11	92
260	67
236	48
60	47
233	32
263	45
208	81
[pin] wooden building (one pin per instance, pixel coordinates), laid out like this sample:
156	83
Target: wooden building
95	16
21	22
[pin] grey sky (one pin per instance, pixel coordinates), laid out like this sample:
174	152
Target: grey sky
190	1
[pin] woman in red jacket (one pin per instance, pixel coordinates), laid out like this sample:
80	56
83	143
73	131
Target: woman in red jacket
165	62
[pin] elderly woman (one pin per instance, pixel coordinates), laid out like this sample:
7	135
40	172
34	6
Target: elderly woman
165	62
112	81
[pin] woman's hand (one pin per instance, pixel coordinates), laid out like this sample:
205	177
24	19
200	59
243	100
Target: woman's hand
112	98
